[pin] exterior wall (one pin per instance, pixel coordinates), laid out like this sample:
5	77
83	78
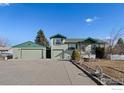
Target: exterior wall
86	52
17	53
58	54
44	53
93	56
63	48
66	54
88	49
51	42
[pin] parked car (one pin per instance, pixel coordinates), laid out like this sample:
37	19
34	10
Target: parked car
8	55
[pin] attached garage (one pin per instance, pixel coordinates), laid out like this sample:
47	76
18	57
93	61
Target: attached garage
57	54
29	50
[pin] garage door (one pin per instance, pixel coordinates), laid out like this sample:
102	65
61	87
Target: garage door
32	54
58	54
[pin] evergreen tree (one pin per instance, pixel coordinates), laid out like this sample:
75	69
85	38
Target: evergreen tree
41	39
120	41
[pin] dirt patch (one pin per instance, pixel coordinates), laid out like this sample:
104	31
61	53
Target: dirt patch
115	69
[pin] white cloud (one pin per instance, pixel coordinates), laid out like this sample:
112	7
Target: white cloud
4	4
91	20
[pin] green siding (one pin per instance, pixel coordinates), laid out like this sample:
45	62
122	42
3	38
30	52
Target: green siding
16	53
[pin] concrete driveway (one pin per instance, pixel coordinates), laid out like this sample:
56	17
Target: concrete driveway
41	72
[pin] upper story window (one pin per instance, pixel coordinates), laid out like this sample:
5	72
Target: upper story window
58	41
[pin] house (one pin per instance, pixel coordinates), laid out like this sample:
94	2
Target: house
62	47
29	50
4	49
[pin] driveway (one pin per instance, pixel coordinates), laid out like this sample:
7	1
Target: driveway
41	72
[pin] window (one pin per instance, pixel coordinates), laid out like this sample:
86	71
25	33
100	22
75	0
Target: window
83	47
58	41
93	49
71	46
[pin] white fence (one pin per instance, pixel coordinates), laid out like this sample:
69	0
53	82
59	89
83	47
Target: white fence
117	57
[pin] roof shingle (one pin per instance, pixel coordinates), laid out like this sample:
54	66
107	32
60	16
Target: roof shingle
27	44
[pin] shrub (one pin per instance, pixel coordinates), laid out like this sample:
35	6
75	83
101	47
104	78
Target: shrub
75	55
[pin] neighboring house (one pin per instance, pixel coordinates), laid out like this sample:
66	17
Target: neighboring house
4	49
29	50
62	47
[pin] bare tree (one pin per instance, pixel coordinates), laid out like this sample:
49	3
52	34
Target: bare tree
118	49
114	36
3	42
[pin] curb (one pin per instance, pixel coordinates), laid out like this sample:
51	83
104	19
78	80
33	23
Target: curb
96	80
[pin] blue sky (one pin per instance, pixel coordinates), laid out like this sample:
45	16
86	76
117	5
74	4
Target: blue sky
20	22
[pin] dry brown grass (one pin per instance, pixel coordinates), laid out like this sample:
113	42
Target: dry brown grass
114	69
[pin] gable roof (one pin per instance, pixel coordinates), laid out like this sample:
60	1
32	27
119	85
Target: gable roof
27	44
57	36
4	48
94	41
90	41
